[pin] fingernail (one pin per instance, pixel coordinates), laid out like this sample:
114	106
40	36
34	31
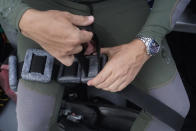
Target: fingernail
91	18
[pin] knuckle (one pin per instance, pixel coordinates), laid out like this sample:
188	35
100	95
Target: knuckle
75	40
64	52
70	48
69	52
116	75
89	35
99	79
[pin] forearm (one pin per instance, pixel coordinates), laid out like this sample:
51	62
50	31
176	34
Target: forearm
12	11
162	18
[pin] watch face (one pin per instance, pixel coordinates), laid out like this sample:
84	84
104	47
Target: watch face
154	47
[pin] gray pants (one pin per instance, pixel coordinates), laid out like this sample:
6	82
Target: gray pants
37	110
173	95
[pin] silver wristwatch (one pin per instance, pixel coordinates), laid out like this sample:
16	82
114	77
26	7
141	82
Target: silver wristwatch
152	47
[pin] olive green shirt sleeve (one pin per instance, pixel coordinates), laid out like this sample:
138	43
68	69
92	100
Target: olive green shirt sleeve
162	18
12	10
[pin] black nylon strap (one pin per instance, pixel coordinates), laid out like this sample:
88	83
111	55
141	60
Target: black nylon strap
153	106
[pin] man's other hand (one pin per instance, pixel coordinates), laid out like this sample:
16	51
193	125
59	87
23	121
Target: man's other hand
57	32
125	61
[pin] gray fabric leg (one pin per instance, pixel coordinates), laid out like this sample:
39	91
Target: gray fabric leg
37	110
173	95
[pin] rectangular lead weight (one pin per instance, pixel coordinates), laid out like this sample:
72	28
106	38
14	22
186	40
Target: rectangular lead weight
69	74
44	77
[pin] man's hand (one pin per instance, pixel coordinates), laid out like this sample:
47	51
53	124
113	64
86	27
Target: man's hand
57	32
125	61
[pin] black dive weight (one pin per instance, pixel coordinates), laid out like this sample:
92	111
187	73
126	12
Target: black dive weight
82	70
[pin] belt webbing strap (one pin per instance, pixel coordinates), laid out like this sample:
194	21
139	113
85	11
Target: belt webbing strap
154	107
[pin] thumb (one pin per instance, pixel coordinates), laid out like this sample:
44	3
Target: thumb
81	20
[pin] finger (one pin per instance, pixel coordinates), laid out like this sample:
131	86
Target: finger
116	86
67	60
105	83
76	50
85	36
122	86
80	20
101	77
90	48
109	81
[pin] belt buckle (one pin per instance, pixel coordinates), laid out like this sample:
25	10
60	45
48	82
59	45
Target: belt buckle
36	76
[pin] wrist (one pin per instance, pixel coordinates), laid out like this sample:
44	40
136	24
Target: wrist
27	19
141	48
152	47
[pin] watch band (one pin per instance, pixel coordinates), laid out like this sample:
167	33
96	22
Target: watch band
146	42
152	47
